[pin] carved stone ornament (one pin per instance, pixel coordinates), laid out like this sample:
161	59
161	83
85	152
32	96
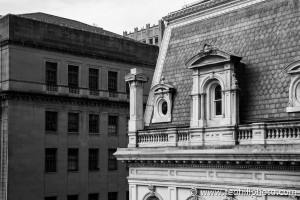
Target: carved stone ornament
207	48
152	189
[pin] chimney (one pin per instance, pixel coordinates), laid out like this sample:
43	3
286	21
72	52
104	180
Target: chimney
136	82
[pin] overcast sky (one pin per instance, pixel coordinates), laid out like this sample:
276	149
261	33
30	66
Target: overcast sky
113	15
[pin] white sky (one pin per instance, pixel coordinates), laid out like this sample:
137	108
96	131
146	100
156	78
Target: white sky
112	15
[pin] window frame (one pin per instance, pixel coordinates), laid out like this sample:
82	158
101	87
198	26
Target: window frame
93	159
113	124
50	160
112	196
215	101
73	162
97	124
77	123
112	160
51	126
73	75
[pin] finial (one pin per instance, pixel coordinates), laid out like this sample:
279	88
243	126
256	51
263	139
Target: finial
162	80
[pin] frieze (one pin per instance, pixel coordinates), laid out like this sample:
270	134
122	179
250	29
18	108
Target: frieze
260	165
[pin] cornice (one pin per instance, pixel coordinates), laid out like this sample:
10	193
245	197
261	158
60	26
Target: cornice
37	97
222	164
74	51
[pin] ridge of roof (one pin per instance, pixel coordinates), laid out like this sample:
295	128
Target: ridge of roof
192	8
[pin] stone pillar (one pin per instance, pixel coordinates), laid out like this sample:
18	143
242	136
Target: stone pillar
136	82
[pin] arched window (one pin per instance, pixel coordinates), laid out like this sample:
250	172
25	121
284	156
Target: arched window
152	198
218	100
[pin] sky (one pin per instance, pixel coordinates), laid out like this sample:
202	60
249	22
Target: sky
112	15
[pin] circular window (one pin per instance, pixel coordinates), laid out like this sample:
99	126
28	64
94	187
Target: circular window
164	108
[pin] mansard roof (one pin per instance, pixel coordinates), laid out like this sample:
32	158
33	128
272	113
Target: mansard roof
264	34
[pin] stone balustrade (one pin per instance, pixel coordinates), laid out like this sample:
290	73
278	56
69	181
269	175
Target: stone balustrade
256	133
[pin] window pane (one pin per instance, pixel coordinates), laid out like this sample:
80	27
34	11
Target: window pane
51	121
93	159
94	196
218	93
93	78
73	76
51	73
73	159
50	159
72	197
93	123
218	107
113	124
112	81
73	122
112	160
112	196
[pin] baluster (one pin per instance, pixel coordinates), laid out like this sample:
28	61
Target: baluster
269	133
251	134
297	133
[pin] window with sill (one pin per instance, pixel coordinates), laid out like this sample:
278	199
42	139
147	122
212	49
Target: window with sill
93	123
112	160
73	76
93	159
73	122
113	124
112	83
51	121
73	159
51	76
294	90
94	81
50	159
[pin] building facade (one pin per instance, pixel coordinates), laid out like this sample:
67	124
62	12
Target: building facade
150	34
222	117
64	108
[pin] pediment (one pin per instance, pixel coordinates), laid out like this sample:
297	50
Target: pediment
293	68
209	56
163	87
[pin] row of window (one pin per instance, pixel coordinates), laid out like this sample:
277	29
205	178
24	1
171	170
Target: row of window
73	79
152	41
92	196
73	159
51	123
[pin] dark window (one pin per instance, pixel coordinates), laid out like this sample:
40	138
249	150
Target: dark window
72	197
93	159
73	79
73	159
127	124
218	100
127	90
127	195
73	122
51	76
112	81
151	41
93	123
112	196
113	124
156	40
51	121
50	198
94	196
112	161
144	41
94	81
164	108
50	159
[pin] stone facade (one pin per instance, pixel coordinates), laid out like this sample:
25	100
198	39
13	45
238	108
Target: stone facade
28	43
150	34
234	69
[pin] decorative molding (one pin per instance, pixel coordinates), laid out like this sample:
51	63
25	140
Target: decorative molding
221	164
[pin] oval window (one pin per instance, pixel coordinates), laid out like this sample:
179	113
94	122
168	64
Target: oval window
164	108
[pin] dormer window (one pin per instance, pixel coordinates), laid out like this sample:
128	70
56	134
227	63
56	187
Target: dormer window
218	100
294	91
215	88
163	102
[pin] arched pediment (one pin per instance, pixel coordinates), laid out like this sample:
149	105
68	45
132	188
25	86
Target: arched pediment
211	56
163	87
293	68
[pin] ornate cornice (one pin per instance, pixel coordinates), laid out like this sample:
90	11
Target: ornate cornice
259	165
37	97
